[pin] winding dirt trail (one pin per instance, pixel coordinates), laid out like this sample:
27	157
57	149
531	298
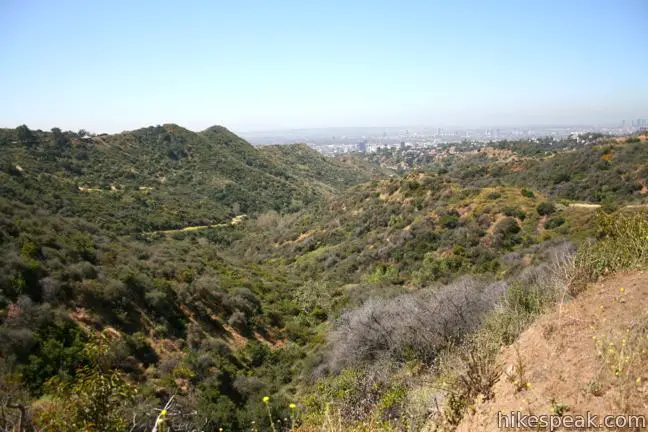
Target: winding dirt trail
235	221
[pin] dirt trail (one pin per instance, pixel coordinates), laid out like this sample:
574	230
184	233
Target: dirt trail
235	221
595	206
585	205
564	357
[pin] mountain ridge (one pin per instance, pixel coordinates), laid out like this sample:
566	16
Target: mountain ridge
212	172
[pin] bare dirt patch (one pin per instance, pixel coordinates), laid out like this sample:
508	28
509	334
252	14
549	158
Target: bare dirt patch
562	361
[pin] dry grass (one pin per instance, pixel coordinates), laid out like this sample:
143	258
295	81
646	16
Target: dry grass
568	363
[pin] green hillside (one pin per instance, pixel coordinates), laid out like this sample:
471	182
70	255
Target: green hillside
160	177
346	289
595	169
304	162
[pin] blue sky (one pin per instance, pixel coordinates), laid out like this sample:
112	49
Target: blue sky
114	65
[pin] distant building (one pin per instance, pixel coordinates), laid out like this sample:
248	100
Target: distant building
362	146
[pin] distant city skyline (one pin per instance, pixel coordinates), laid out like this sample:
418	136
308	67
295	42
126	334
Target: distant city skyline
258	65
611	123
345	140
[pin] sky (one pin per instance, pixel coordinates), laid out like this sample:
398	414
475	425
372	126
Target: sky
109	66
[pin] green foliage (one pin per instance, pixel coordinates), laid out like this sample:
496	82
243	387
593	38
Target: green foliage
506	233
165	177
434	268
514	212
57	352
24	134
527	193
589	173
237	307
450	220
545	208
382	274
554	222
623	244
92	400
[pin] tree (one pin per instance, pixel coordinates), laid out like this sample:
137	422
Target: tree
60	139
554	222
506	233
25	136
93	400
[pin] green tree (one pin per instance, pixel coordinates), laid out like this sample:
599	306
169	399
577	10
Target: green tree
93	401
60	139
25	136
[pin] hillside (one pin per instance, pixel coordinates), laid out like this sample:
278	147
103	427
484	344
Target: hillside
160	177
305	162
162	263
588	355
595	168
172	307
415	230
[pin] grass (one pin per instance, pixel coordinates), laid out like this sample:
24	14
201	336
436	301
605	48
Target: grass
623	244
623	364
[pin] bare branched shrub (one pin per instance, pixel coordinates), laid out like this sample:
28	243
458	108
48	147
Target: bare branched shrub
564	274
472	370
268	220
545	283
413	325
239	321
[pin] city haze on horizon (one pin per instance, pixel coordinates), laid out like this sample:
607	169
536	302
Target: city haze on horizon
259	67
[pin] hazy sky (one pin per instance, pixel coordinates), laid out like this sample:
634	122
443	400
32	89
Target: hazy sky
113	65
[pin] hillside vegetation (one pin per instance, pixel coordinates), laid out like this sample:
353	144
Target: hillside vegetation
162	267
595	169
588	356
160	177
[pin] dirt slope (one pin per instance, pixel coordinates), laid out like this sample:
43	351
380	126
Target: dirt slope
588	355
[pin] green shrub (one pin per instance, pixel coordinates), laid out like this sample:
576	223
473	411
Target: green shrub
450	220
506	233
93	400
554	222
527	193
545	208
514	212
609	206
623	244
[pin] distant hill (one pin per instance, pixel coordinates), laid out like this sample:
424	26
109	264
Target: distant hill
162	177
599	169
306	163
